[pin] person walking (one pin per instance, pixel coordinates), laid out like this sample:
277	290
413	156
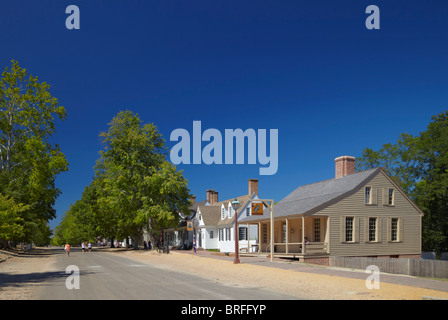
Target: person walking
89	246
83	247
67	249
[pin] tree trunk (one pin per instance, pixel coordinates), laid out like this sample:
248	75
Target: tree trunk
4	244
152	239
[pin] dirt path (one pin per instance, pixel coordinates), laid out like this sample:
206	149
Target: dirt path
22	273
301	284
20	276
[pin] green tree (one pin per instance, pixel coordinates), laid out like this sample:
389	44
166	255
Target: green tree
140	188
29	162
11	224
420	165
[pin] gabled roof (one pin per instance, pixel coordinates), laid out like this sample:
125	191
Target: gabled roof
211	214
195	205
309	197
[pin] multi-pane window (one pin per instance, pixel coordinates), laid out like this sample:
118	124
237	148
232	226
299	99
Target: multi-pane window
211	234
228	234
372	229
368	195
248	212
221	234
317	230
391	197
394	229
222	213
349	229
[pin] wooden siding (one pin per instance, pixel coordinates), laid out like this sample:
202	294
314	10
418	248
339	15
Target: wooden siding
354	206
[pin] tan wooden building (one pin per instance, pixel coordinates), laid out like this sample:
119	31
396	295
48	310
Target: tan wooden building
355	214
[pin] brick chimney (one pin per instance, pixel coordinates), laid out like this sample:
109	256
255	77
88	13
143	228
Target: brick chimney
210	195
215	197
253	186
344	166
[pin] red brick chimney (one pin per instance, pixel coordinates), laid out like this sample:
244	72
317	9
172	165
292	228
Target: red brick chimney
210	195
344	165
253	186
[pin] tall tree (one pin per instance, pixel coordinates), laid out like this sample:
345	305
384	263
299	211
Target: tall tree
29	162
420	165
140	187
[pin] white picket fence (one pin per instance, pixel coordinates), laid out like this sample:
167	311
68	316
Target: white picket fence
411	267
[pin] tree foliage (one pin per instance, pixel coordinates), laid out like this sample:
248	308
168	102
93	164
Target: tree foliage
135	187
420	165
29	162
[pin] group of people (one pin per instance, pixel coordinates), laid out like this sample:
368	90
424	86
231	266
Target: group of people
83	247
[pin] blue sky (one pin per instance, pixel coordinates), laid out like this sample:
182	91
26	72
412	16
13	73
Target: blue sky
310	69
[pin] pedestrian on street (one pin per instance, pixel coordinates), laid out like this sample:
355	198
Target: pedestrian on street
83	247
67	249
89	246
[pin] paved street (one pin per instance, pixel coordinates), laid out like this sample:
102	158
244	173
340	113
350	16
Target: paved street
107	276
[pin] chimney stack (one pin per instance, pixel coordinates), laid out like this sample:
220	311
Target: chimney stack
253	186
344	166
192	199
212	196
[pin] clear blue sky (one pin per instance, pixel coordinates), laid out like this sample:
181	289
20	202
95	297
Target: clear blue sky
310	69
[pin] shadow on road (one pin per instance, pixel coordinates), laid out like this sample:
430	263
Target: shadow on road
12	279
18	280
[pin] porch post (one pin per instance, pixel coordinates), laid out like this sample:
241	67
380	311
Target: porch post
259	237
272	230
303	235
248	238
287	235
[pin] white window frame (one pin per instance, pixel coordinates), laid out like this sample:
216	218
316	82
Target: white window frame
372	231
370	194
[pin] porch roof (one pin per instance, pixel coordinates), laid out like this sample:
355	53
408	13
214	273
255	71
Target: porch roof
312	196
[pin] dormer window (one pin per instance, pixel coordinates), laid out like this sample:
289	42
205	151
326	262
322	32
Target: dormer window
223	213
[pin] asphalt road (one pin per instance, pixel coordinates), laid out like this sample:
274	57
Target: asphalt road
106	276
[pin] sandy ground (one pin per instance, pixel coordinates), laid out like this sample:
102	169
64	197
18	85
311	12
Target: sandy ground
20	276
299	284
